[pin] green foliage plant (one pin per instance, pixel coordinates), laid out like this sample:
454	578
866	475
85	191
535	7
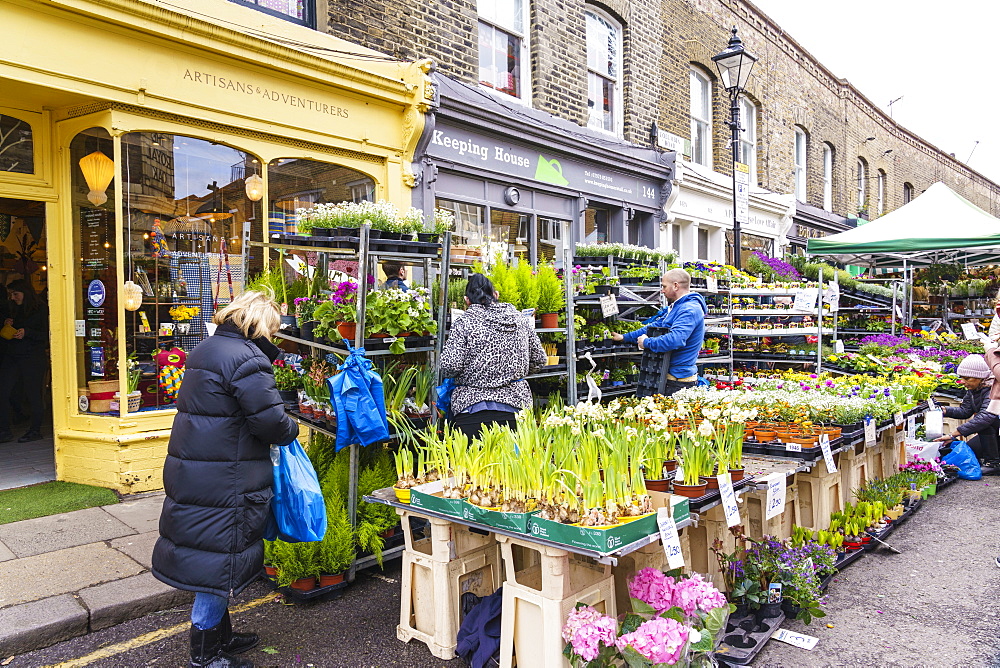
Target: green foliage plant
551	296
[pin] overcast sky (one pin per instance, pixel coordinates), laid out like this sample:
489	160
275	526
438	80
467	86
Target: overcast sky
940	57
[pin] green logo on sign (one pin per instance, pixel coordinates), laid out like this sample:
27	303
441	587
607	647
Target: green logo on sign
550	171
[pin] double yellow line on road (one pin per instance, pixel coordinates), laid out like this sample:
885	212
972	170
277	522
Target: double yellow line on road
145	639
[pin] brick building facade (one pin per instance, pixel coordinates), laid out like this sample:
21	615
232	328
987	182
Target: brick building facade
660	44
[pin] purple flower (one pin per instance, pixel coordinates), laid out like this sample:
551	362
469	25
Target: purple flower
780	267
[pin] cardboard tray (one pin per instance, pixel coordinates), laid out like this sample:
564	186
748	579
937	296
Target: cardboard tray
494	518
429	496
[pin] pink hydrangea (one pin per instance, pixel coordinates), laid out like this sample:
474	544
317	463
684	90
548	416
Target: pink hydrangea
695	593
586	629
651	586
660	640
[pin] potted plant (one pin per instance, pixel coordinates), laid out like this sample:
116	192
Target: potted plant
697	461
551	296
337	316
527	286
393	312
296	564
337	549
288	380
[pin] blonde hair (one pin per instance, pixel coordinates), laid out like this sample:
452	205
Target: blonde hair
254	313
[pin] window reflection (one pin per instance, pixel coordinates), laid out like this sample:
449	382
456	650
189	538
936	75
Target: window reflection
17	146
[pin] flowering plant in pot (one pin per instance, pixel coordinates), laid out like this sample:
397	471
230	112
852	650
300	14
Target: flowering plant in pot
336	314
288	380
393	312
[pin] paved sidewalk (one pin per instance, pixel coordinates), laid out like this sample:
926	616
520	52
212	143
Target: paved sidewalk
66	575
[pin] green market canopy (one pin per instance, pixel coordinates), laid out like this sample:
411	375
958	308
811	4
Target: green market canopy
939	226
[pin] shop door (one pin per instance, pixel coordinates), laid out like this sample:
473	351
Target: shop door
26	446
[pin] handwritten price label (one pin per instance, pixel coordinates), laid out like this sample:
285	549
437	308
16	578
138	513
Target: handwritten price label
728	496
713	284
869	431
898	418
669	537
775	501
609	306
911	428
824	444
796	639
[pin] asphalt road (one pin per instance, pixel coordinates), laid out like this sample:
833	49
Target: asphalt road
933	606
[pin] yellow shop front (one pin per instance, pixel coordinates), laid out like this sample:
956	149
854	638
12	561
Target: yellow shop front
143	151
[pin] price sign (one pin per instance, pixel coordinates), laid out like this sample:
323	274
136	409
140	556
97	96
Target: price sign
911	428
931	406
874	359
793	447
728	497
713	284
775	502
969	331
898	418
805	300
609	306
668	535
838	346
824	444
869	431
797	639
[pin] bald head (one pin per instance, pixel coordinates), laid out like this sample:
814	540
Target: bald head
675	284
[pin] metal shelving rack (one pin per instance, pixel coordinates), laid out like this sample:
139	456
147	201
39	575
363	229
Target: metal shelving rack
714	320
368	260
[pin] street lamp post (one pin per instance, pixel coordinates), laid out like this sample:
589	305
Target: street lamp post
735	63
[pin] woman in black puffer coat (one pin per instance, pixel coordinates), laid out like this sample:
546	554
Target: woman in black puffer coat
217	475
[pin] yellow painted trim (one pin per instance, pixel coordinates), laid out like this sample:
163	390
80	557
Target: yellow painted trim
145	639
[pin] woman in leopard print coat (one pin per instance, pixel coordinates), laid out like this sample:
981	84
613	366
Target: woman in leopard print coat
489	352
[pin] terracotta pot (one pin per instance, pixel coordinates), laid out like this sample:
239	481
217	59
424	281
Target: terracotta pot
661	485
550	320
670	465
832	432
803	440
270	571
736	474
347	330
328	579
711	481
304	584
389	533
690	491
764	436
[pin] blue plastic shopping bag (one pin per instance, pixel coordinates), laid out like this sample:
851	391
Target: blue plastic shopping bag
443	392
298	508
359	400
964	458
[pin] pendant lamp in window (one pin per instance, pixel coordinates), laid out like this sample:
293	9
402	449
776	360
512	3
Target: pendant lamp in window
98	170
254	187
131	296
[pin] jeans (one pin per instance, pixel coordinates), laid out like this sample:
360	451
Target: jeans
472	423
208	610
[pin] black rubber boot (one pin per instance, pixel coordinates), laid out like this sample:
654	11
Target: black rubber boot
235	643
207	652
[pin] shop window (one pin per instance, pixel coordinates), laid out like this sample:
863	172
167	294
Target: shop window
750	243
297	11
17	146
595	230
510	231
470	222
827	177
675	238
748	136
701	119
503	46
880	193
800	164
604	49
92	196
702	244
907	193
550	240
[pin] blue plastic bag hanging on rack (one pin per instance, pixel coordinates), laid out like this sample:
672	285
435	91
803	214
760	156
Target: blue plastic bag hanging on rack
357	397
298	510
443	401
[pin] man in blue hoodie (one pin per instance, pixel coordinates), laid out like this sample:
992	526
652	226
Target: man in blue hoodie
684	319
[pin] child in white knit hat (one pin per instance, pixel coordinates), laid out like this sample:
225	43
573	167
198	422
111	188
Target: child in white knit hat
980	430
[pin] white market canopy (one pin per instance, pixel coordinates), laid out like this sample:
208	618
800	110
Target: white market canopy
939	226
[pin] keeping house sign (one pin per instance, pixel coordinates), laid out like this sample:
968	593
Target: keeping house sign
471	148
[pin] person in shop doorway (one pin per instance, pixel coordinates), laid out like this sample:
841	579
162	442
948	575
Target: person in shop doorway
395	276
980	428
489	352
218	474
25	329
684	318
